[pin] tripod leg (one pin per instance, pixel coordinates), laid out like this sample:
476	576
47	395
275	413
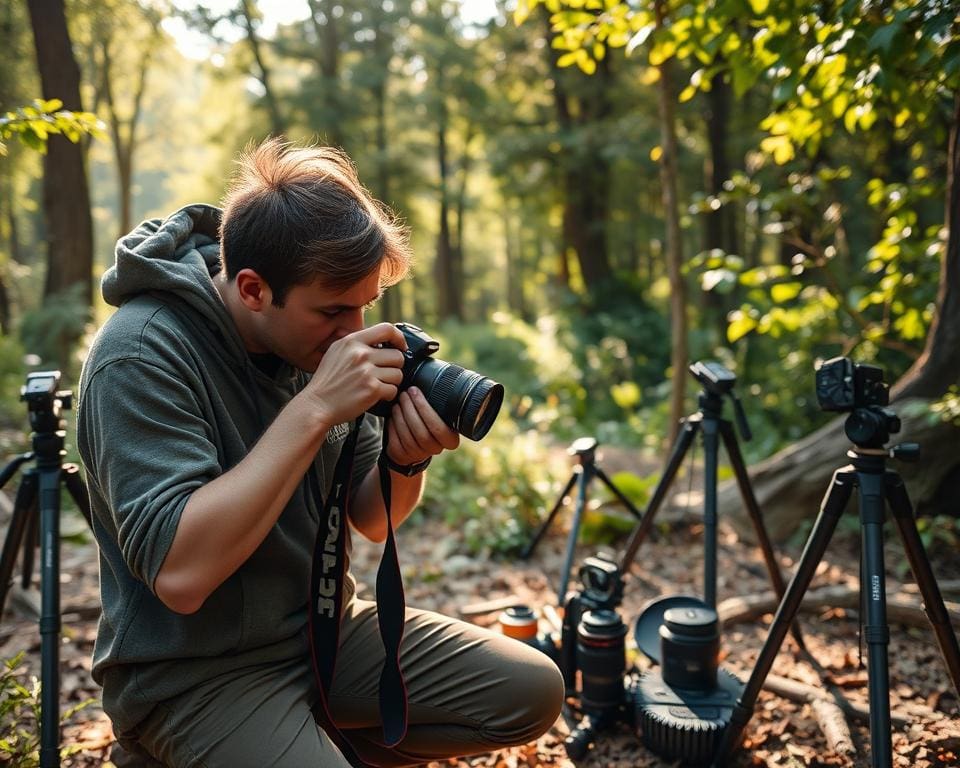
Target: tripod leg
875	630
920	565
23	509
617	492
49	502
832	506
585	476
78	491
711	450
680	448
753	509
528	550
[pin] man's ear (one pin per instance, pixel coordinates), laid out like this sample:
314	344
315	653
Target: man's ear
253	290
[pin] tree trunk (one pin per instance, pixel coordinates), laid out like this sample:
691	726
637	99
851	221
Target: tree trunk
718	229
459	216
585	176
390	305
674	245
277	123
124	131
66	197
328	60
939	365
444	276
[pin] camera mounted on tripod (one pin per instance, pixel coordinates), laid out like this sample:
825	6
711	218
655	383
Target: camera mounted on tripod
44	401
717	382
857	388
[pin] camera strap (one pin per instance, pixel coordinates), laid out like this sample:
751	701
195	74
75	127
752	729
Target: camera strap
326	602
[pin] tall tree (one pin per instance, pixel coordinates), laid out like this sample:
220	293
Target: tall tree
126	38
66	197
674	244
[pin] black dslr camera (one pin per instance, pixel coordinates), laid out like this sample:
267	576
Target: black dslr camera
466	401
859	389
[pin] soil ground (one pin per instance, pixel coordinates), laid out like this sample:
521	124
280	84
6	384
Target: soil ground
438	576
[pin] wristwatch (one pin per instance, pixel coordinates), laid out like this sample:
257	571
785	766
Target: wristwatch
407	470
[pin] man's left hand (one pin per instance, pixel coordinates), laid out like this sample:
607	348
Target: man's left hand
416	431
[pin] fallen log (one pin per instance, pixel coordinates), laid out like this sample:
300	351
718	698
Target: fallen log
901	609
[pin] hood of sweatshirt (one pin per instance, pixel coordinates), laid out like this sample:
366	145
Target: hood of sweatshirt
177	256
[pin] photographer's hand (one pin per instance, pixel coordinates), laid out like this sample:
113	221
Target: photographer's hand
356	372
416	431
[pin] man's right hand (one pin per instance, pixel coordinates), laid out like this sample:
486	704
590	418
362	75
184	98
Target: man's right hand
358	371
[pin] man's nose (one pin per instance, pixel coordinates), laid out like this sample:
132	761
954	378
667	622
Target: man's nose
351	321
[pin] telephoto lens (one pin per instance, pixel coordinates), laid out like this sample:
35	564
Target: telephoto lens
602	659
467	401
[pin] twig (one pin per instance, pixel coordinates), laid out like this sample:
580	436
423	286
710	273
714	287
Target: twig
489	606
834	726
807	694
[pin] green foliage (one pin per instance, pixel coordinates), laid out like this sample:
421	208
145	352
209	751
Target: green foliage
606	521
33	125
48	331
948	407
493	491
582	368
13	371
20	715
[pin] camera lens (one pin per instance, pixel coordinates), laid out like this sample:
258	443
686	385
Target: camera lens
465	400
690	648
601	656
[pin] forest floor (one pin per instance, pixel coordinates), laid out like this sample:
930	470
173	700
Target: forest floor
437	576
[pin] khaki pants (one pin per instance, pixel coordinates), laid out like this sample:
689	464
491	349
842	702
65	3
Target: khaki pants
469	691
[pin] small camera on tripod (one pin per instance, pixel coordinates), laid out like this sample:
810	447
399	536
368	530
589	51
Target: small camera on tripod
860	390
44	400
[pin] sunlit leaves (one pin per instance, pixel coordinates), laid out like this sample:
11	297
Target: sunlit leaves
33	125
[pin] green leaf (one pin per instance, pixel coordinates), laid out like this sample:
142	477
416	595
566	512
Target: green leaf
740	325
782	292
883	38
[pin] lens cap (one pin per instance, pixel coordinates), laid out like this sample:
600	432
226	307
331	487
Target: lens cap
646	632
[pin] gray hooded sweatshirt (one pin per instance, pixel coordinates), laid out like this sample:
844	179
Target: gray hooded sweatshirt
169	399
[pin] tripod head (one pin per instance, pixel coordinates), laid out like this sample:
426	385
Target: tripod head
44	402
45	405
718	382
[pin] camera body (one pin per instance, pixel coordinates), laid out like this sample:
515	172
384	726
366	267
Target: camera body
843	385
466	401
859	390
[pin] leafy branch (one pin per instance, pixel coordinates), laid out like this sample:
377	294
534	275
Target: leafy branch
33	125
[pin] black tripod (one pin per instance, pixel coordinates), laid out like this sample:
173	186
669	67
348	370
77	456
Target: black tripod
717	381
39	497
585	449
876	483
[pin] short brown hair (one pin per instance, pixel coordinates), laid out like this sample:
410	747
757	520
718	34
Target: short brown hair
299	214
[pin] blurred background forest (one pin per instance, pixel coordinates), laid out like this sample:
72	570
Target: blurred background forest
599	192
